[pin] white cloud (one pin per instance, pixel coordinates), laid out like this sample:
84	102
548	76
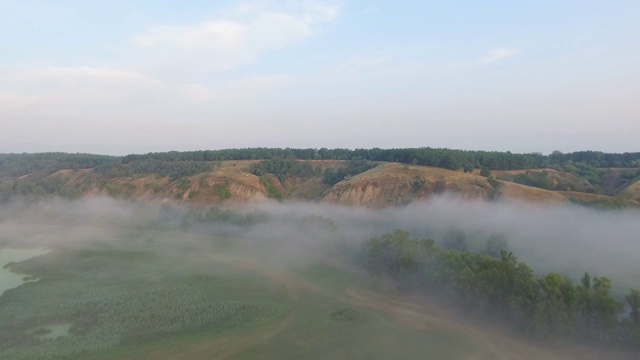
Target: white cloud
220	36
167	71
239	37
499	54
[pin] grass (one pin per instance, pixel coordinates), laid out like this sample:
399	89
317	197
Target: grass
222	190
117	299
324	327
328	277
146	304
272	191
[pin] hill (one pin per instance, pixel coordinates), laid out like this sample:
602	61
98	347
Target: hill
357	182
632	191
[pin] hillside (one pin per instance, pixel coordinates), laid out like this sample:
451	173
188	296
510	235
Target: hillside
238	181
396	184
548	179
632	192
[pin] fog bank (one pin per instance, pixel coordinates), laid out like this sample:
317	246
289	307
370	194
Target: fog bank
568	239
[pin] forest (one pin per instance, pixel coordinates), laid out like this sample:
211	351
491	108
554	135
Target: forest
581	162
494	284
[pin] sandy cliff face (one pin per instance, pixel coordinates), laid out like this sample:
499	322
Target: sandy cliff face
395	184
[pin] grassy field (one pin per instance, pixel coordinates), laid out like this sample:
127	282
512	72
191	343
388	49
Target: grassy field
218	300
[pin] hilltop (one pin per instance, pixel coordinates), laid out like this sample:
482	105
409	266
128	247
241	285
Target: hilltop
349	177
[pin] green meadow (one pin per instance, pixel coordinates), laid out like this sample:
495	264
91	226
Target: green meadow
214	301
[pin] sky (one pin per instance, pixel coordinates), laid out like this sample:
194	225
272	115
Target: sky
119	77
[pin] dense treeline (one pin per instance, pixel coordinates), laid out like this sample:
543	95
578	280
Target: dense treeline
582	162
173	169
283	168
550	306
445	158
13	165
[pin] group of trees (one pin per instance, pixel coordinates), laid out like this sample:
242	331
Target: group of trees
356	166
550	306
541	179
283	168
15	165
39	185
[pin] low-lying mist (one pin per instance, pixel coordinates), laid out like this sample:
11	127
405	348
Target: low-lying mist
568	239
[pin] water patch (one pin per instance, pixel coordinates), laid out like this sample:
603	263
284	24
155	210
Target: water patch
51	332
9	279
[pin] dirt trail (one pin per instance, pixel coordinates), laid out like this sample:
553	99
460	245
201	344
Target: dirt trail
491	344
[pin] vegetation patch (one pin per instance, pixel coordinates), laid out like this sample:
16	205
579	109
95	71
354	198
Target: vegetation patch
96	301
345	315
283	168
223	190
333	176
602	204
272	191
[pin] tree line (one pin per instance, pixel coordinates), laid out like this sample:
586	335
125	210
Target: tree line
588	165
549	306
582	162
14	165
444	158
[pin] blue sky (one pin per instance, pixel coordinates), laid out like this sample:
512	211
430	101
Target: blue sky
120	77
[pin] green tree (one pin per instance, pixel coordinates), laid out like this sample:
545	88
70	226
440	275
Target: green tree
605	308
484	171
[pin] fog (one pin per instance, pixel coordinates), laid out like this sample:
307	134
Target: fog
568	239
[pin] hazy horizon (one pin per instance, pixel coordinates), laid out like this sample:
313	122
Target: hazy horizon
121	154
121	77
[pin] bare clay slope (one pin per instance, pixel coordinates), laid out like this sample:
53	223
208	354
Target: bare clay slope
388	184
395	184
632	192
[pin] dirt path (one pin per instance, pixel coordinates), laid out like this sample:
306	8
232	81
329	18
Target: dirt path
491	344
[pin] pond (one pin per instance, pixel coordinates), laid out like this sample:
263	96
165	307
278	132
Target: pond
9	279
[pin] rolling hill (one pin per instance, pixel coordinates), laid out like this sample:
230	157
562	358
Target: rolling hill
386	184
